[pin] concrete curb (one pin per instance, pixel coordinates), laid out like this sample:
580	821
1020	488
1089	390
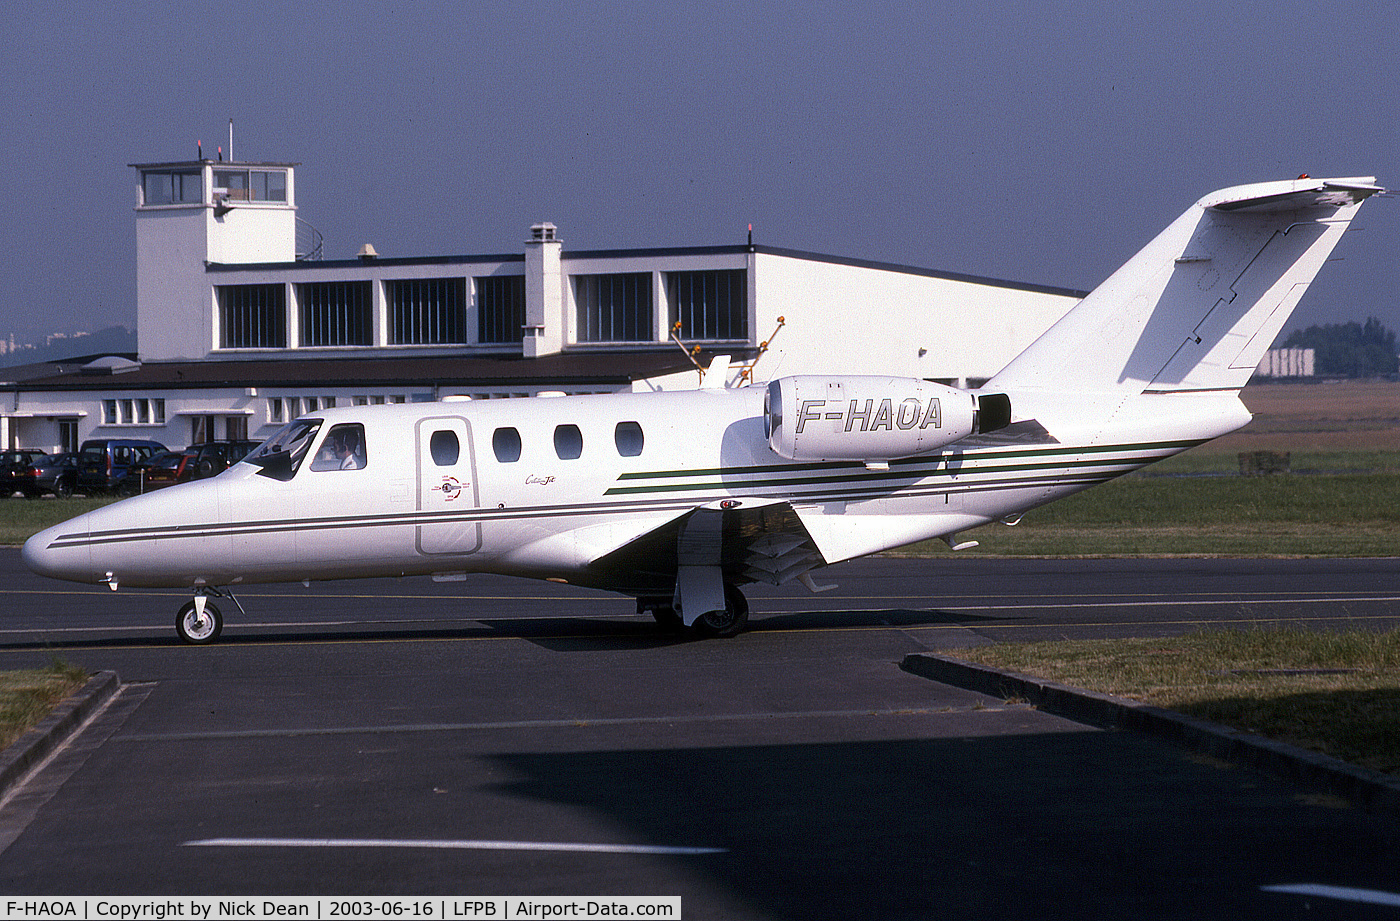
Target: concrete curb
40	741
1362	786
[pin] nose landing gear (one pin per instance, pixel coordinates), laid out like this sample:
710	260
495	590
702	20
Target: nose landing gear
200	621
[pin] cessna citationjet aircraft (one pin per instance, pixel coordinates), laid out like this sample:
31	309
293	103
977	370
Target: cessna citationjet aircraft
679	498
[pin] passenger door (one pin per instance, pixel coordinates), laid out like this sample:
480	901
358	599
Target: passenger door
447	491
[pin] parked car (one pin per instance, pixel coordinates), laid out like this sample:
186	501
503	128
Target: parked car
161	469
214	457
55	473
10	464
106	461
197	462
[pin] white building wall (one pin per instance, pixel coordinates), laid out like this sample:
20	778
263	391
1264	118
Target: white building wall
1287	363
252	232
173	317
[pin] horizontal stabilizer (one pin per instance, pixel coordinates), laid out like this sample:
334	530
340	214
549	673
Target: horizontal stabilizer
1304	193
1198	306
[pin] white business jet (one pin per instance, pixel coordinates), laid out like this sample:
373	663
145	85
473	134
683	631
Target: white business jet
679	498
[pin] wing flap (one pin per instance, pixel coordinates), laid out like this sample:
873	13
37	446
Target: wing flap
757	540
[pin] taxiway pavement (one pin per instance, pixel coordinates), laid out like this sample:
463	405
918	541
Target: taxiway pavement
500	737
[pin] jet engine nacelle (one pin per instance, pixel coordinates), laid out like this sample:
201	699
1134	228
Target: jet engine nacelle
873	419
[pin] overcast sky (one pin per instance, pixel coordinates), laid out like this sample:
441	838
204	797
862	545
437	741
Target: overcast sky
1034	142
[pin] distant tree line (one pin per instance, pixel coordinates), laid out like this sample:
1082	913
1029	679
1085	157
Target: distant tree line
1348	349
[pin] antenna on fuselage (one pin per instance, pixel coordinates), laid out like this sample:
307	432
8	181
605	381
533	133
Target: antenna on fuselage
689	352
747	374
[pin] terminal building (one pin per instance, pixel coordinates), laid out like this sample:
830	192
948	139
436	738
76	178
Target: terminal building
241	326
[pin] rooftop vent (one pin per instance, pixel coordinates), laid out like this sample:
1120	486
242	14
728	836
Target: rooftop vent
543	233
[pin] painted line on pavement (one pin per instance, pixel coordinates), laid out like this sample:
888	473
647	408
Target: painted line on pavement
572	847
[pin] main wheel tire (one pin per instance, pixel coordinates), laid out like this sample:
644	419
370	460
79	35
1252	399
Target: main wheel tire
197	631
729	622
62	488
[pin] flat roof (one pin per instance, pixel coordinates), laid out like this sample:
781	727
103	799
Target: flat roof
194	164
588	368
646	253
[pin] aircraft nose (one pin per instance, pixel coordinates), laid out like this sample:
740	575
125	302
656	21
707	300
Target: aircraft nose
61	552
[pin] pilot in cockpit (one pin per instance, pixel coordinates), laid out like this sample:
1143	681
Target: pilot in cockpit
346	454
343	449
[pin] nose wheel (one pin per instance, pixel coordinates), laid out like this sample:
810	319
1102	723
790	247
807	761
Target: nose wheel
199	621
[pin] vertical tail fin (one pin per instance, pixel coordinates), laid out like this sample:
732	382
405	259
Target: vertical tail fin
1197	308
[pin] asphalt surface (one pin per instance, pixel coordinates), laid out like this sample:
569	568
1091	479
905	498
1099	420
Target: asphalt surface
498	737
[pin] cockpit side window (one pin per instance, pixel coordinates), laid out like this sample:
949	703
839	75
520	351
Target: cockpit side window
343	448
281	455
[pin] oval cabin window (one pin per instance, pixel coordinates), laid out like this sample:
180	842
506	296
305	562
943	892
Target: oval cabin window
445	448
628	437
505	442
568	442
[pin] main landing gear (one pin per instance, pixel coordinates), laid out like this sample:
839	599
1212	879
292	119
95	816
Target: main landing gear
721	623
200	621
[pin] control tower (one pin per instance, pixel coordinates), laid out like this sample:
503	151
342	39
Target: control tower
193	213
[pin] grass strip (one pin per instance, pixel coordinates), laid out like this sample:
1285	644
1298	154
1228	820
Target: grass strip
1344	515
21	518
29	695
1333	692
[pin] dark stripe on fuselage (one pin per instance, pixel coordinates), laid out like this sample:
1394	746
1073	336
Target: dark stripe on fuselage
825	484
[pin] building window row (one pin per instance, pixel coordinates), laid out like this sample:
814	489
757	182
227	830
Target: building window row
427	311
614	308
284	409
336	313
133	411
609	308
710	305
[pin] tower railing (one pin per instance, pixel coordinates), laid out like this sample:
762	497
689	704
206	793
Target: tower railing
309	242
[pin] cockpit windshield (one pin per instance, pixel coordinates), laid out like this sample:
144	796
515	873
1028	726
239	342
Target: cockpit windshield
281	455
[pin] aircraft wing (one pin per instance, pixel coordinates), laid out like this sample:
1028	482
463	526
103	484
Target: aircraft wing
753	540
